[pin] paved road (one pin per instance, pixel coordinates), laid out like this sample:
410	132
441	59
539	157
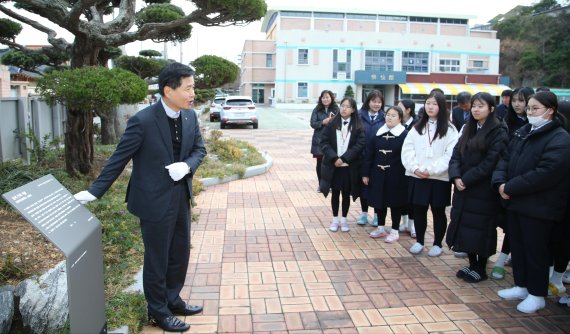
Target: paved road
272	118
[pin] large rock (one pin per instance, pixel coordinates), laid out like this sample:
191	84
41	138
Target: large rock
43	301
6	308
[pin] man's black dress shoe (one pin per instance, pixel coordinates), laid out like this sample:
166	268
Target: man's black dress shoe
170	324
187	310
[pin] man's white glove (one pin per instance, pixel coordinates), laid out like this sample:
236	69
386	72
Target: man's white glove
178	170
84	197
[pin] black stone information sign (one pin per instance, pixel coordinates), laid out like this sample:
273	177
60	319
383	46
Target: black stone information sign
51	208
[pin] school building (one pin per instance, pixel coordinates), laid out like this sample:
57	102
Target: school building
403	55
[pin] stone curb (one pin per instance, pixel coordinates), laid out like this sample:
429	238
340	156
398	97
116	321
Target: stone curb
249	172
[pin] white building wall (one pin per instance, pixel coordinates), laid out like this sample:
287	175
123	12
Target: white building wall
358	42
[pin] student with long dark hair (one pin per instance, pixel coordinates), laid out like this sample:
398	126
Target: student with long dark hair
409	108
372	118
532	179
342	143
323	113
476	207
425	155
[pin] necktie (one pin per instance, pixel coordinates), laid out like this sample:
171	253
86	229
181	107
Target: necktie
345	122
465	116
372	117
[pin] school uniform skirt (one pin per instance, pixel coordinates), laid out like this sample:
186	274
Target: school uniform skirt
341	179
429	192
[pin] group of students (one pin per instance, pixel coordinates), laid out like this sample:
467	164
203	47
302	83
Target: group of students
509	166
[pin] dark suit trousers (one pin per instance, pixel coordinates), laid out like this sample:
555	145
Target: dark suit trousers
529	239
166	255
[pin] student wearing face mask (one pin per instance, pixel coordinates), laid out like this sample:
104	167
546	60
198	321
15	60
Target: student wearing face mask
515	118
532	180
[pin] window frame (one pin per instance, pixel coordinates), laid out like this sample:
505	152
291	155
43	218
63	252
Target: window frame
306	58
299	84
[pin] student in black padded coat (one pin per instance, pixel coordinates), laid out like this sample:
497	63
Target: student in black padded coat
476	207
532	179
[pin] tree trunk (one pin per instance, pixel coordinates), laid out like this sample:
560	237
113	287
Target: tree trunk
79	142
108	127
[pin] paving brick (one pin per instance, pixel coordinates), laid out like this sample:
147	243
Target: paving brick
264	261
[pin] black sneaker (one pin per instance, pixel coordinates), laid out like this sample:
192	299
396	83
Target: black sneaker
475	277
461	273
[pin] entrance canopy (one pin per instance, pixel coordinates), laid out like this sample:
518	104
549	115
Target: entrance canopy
452	89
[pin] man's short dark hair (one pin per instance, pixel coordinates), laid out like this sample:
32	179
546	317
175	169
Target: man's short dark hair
171	75
463	97
507	92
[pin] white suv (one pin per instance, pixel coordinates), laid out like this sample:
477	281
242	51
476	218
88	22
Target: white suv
238	110
216	107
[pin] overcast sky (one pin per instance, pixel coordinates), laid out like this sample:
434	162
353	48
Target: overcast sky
227	42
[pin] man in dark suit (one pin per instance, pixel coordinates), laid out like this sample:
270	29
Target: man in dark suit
461	112
166	148
503	107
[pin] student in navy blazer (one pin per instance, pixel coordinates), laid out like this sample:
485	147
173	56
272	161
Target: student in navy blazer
166	148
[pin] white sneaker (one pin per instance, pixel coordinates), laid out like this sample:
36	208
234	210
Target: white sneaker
416	248
379	232
344	227
516	292
334	226
531	304
435	251
460	255
392	237
412	228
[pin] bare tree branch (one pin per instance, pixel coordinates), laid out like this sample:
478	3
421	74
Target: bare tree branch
124	21
78	8
59	43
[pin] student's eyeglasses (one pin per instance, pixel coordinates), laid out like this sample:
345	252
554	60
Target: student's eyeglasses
533	110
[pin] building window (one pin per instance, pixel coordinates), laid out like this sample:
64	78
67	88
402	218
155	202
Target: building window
452	21
478	66
449	65
303	57
296	14
415	62
302	89
392	18
341	64
423	19
329	15
377	60
361	16
268	60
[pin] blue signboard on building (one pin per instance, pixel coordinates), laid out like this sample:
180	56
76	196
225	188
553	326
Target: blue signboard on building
379	77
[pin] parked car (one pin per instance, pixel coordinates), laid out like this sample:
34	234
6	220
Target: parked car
238	110
216	107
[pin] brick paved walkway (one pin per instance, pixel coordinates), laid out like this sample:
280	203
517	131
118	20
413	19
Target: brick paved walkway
263	261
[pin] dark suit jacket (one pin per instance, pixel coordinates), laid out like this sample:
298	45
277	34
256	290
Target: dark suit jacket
147	141
457	118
